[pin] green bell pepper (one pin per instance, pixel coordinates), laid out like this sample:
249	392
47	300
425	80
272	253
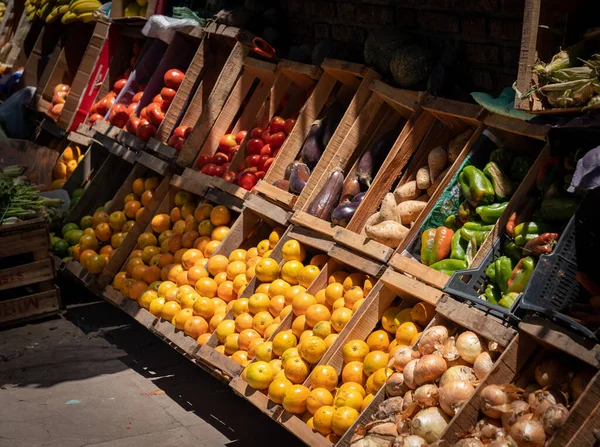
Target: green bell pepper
493	293
467	234
559	209
521	274
503	187
448	266
452	222
503	267
508	300
478	226
490	271
526	231
458	247
491	213
512	251
476	187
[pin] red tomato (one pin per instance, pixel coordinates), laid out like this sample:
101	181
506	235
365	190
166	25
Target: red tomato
267	164
266	135
277	124
182	131
247	180
137	97
165	106
209	169
157	99
257	132
276	152
232	153
229	176
95	117
220	171
155	114
254	146
59	98
93	109
226	142
289	125
118	86
262	161
239	137
277	139
131	108
203	160
167	94
132	125
266	150
260	175
119	115
146	130
220	159
103	106
253	161
173	78
143	114
176	142
226	166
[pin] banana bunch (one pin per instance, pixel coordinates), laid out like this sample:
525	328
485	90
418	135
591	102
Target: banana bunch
31	8
82	10
59	8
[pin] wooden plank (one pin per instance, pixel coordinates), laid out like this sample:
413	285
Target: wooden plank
78	138
266	209
463	111
192	181
26	307
475	320
26	274
140	314
276	194
153	163
298	428
589	433
363	244
256	397
113	296
310	238
417	270
403	102
359	262
24	242
550	334
230	188
219	361
516	126
306	220
405	286
312	71
222	198
528	56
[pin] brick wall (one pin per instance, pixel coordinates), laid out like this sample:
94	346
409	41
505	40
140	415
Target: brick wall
486	33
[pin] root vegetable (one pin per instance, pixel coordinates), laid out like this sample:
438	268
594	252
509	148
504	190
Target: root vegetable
408	191
553	418
423	198
579	383
411	441
429	368
431	338
395	385
457	373
551	372
483	365
389	408
409	211
388	232
541	400
469	442
437	182
454	394
468	346
491	397
374	219
423	178
528	433
409	374
388	210
402	356
448	350
437	161
426	396
457	144
513	412
429	424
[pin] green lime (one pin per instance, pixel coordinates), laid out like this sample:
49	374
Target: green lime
71	250
86	222
61	247
67	259
54	239
74	202
77	193
100	208
107	205
155	285
73	236
68	227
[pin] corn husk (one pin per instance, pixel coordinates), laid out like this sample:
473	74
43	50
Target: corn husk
594	104
568	94
572	74
559	61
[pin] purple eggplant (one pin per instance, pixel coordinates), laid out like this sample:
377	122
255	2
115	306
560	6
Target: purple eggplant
288	170
372	159
342	214
313	146
335	113
329	196
299	178
350	189
359	197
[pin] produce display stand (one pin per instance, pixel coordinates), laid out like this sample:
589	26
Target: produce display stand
435	122
349	84
26	266
43	57
12	52
292	83
401	259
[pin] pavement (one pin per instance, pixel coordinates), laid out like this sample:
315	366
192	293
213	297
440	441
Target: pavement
95	377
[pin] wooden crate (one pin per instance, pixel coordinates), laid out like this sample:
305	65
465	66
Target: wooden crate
548	27
434	124
42	45
26	273
347	83
453	313
403	258
289	93
209	80
388	110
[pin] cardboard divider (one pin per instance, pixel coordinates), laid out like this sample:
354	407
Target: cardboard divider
348	84
42	45
387	110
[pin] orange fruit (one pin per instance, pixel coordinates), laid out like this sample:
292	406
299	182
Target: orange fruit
378	341
352	295
296	369
293	250
138	272
95	264
136	289
190	224
319	260
179	227
237	255
151	183
355	351
299	326
206	287
353	372
174	271
356	279
267	270
146	240
275	236
240	357
348	397
278	287
234	269
195	327
88	242
165	259
118	279
307	275
406	332
225	291
116	220
259	375
243	321
219	233
187	209
202	212
294	399
253	346
258	302
318	397
292	292
290	271
324	376
246	337
131	208
264	351
301	303
338	277
283	341
175	215
373	361
231	344
220	215
189	258
276	305
85	256
316	313
99	217
270	330
103	232
260	322
204	307
178	255
210	248
138	186
188	238
146	197
312	349
342	419
263	288
239	306
160	223
205	228
277	389
225	328
340	317
322	420
323	329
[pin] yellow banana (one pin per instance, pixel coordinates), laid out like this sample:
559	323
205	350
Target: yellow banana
62	9
84	6
69	17
86	17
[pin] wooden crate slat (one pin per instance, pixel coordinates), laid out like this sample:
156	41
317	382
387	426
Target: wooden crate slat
18	243
26	274
26	307
408	287
414	268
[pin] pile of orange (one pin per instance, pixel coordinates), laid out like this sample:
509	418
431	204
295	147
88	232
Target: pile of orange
104	233
65	165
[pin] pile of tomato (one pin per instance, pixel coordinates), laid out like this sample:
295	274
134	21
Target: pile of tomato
261	148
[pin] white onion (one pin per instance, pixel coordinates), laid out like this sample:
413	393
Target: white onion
493	396
429	424
388	408
409	374
402	356
503	442
429	368
540	400
469	442
553	418
469	346
448	350
454	394
426	396
579	383
517	409
432	337
458	373
395	386
408	399
488	429
530	389
528	433
483	365
551	373
412	441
